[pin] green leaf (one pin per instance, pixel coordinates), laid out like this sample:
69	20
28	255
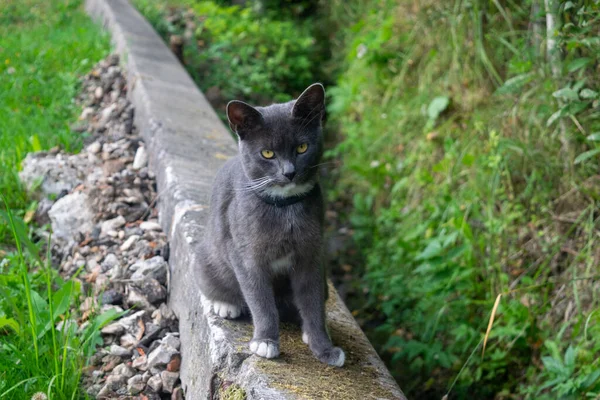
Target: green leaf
36	145
437	106
591	379
576	107
106	317
569	5
38	303
588	94
433	249
566	93
9	323
61	299
21	232
587	155
590	41
570	355
515	83
578	63
555	116
578	85
594	137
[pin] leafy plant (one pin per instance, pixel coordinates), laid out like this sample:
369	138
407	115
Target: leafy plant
238	52
454	151
43	348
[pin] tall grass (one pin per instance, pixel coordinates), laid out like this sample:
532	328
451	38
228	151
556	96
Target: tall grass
43	347
453	126
45	46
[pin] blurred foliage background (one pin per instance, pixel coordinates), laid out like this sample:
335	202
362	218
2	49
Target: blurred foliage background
464	137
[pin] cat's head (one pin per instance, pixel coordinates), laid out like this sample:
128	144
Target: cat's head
281	144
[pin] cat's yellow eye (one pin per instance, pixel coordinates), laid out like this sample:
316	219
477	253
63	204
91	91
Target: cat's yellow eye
302	148
268	153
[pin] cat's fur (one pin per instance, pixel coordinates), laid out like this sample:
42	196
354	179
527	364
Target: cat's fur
263	246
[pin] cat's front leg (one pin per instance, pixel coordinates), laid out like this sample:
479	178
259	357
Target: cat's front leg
308	286
258	292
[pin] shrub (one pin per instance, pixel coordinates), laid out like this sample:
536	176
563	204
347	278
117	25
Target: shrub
234	52
470	160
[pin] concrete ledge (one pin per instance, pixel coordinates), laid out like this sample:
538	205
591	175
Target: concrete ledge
187	143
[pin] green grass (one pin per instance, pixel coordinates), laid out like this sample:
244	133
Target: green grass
462	188
36	353
45	46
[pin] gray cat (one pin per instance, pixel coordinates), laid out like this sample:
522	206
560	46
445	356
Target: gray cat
263	245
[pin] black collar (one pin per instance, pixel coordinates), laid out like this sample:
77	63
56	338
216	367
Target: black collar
286	201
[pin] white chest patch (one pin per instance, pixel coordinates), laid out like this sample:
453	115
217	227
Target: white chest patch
282	264
291	189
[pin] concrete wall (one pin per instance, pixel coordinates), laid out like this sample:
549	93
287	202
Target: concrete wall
187	143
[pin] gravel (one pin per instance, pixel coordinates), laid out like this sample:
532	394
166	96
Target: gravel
105	228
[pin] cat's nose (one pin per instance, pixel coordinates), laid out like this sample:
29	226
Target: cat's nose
288	170
289	175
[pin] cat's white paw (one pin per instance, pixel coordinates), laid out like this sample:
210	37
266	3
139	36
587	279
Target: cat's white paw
305	338
341	359
334	356
264	348
226	310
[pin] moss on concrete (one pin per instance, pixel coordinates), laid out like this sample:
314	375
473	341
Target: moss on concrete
298	372
232	392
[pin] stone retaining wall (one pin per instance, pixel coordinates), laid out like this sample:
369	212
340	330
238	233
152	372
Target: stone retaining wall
187	143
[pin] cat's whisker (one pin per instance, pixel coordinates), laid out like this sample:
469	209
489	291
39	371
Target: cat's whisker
252	187
324	163
260	180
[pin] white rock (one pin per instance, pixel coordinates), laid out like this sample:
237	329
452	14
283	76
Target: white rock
150	226
155	383
141	158
124	370
138	300
155	267
105	114
86	113
168	380
71	215
112	225
135	384
52	174
172	340
113	329
140	363
117	350
128	341
110	261
129	242
161	355
94	148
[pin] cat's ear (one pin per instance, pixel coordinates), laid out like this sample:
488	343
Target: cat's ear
242	117
310	106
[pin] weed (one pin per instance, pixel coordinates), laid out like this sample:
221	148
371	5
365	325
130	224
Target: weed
234	52
43	348
470	160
